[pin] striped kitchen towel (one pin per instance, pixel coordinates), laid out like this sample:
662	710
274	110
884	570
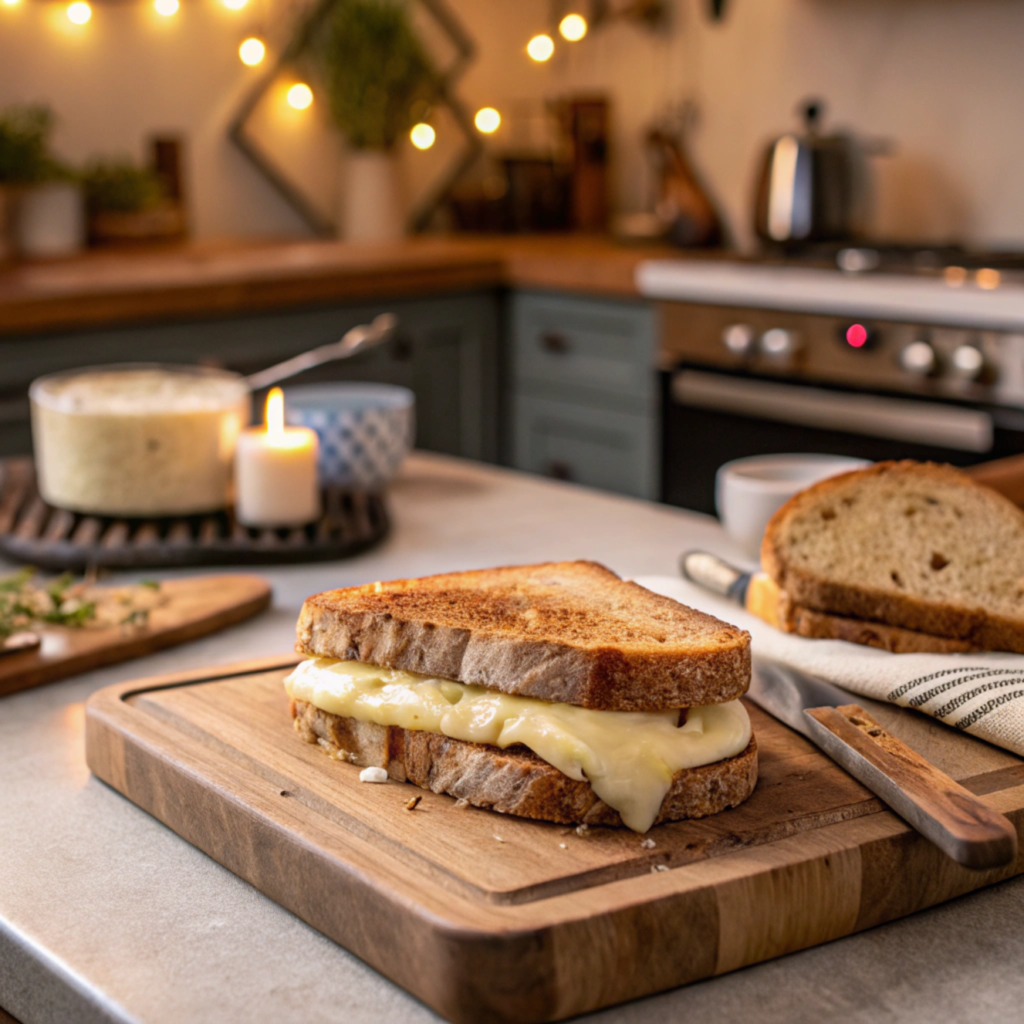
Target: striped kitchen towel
981	694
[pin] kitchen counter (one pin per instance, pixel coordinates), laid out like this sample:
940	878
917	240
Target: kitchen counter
106	915
211	279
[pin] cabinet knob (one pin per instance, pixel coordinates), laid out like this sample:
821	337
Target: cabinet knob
559	470
552	341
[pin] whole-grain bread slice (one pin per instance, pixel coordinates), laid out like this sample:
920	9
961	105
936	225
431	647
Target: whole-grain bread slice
778	609
515	780
569	632
915	545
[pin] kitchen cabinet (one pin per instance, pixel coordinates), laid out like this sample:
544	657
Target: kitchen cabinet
446	351
583	391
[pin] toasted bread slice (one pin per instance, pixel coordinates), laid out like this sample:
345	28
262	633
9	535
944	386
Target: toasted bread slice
915	545
515	780
767	602
569	632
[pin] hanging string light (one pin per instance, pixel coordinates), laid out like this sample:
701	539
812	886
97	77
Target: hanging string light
422	135
79	12
573	27
487	120
252	51
300	96
541	47
167	8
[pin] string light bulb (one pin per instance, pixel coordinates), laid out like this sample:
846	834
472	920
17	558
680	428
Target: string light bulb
252	51
79	12
487	120
540	48
10	3
167	8
422	136
300	96
235	5
573	27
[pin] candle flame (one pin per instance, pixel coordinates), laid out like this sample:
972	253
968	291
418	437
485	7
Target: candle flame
274	415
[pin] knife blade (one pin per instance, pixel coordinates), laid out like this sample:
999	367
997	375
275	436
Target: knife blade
954	819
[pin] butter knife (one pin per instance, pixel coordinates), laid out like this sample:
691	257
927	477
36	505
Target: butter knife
954	819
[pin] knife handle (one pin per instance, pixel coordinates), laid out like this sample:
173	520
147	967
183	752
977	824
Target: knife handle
715	574
954	819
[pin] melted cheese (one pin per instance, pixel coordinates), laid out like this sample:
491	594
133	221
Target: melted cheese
628	757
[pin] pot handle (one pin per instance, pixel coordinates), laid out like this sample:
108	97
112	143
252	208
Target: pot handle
358	339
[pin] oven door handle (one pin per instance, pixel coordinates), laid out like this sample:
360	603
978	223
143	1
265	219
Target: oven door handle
898	419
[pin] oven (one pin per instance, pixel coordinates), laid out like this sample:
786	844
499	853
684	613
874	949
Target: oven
740	382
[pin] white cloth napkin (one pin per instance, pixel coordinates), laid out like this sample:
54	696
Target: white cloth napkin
981	694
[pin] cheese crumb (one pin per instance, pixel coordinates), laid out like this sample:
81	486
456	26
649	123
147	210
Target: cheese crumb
659	867
648	844
500	840
563	846
582	831
462	802
373	775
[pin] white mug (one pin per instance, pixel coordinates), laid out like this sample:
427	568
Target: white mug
749	491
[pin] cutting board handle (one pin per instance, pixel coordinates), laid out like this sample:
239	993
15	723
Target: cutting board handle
954	819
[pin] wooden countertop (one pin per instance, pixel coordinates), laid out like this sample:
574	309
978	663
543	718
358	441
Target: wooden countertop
221	278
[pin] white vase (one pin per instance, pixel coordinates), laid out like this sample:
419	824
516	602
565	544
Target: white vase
50	220
371	207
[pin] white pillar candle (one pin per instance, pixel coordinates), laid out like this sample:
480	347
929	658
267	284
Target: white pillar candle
275	471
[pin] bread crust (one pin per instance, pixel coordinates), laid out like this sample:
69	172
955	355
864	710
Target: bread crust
514	780
977	628
567	632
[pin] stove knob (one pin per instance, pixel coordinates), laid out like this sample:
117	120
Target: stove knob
780	343
967	362
919	358
739	339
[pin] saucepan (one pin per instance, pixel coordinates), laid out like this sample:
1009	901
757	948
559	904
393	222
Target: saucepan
153	439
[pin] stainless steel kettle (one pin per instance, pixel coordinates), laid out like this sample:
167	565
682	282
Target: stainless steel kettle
812	187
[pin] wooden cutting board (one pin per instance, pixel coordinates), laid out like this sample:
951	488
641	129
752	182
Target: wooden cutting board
486	917
194	607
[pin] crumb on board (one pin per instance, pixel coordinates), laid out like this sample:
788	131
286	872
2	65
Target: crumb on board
500	840
583	831
413	803
462	802
658	867
648	844
373	774
563	846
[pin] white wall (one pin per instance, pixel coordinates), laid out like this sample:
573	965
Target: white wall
938	77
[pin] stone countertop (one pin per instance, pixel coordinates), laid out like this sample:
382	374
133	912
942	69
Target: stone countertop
106	915
204	279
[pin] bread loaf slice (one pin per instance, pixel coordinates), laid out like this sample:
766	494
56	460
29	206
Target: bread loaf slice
767	602
568	632
912	545
514	780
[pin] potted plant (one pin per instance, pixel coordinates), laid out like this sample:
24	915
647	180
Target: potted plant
375	74
127	203
41	204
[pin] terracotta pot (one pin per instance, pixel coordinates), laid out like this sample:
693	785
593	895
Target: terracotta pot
371	207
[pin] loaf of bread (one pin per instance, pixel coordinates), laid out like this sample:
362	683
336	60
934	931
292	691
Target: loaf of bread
910	546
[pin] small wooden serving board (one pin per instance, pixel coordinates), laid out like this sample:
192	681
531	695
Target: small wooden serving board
194	607
486	917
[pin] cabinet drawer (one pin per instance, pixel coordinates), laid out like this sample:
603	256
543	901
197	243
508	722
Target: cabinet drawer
590	344
613	451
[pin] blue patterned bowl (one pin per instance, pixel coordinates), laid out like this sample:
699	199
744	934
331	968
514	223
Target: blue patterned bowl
365	430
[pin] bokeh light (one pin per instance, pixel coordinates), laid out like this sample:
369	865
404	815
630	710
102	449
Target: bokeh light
300	96
166	7
422	136
540	47
573	27
79	12
487	120
252	51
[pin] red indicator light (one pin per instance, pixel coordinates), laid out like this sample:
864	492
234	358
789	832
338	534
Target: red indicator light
856	335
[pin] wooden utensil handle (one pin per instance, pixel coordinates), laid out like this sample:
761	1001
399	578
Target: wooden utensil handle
955	820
